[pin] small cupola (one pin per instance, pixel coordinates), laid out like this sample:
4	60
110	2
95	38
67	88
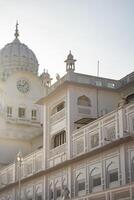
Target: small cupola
46	79
70	62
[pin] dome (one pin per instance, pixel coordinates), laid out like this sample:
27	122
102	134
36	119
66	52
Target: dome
70	56
17	56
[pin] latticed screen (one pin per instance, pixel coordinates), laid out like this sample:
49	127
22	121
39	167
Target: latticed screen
94	140
80	146
110	133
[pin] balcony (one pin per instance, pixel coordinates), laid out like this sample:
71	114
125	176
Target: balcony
107	129
57	155
120	193
24	121
31	165
57	116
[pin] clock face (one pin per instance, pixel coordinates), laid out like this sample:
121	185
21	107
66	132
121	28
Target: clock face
23	85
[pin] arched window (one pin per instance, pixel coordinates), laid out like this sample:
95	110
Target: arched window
83	101
59	139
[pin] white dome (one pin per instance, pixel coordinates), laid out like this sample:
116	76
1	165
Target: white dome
16	56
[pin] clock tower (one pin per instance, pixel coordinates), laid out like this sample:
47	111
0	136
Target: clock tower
20	87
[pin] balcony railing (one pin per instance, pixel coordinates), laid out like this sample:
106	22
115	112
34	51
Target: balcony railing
120	193
31	164
106	129
26	121
57	116
7	175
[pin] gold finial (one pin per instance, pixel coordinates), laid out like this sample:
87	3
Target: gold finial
16	30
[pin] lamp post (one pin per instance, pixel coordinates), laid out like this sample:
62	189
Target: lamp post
19	163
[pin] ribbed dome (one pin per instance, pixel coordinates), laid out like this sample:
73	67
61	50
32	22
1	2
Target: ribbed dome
17	56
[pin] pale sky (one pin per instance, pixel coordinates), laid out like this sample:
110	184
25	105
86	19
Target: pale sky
92	29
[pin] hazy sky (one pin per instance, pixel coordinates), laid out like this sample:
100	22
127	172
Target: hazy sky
92	29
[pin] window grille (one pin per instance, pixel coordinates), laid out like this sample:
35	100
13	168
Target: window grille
59	139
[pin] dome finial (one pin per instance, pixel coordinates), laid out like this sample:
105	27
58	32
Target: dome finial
16	30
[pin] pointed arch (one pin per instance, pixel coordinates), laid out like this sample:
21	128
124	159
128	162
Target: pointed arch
83	101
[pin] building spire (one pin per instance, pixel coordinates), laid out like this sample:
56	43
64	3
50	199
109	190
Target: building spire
16	30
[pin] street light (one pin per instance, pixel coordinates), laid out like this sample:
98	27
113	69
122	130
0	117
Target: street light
19	163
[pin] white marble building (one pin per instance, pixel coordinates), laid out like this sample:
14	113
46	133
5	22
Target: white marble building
20	87
88	129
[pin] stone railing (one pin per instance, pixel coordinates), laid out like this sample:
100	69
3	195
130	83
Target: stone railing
104	130
85	79
31	164
123	192
57	155
57	159
57	116
11	119
7	175
93	80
